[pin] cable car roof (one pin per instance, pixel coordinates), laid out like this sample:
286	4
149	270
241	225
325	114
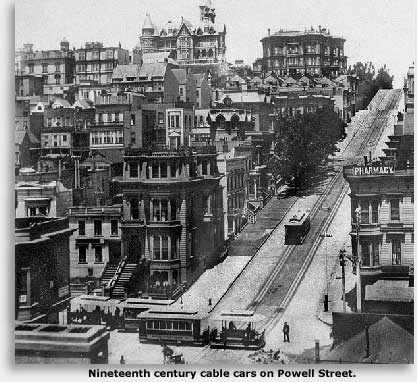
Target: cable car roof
238	316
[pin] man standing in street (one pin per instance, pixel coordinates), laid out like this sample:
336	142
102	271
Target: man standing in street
286	331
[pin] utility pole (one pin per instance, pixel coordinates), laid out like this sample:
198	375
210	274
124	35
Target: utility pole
358	262
342	264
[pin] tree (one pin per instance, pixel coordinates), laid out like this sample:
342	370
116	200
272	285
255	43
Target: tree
302	144
369	84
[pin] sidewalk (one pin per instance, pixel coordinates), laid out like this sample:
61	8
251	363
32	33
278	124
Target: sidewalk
335	290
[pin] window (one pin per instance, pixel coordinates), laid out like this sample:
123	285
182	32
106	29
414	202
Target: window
161	118
364	212
133	138
97	228
114	227
133	170
82	254
164	253
374	205
81	227
31	68
155	170
163	168
156	247
132	119
32	211
396	251
134	209
98	252
395	209
64	138
44	68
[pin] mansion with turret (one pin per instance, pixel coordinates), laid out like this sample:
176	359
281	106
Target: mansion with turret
202	43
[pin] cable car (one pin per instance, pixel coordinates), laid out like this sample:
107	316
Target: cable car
238	330
297	228
170	325
132	307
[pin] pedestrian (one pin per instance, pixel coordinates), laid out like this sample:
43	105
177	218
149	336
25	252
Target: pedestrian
122	360
286	331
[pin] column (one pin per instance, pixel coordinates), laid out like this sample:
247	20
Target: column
169	210
209	168
169	252
168	169
150	171
151	209
144	164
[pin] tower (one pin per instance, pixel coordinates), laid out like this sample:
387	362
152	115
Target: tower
148	39
207	12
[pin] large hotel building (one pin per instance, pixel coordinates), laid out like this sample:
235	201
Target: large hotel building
203	43
308	52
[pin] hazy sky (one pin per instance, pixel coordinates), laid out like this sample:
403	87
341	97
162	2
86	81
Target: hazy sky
378	30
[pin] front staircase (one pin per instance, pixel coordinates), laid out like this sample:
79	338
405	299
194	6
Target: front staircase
116	279
121	285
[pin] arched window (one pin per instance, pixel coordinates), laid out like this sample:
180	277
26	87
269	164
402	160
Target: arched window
210	52
234	121
221	121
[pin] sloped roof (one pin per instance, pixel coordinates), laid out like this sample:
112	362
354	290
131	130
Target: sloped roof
180	75
83	103
156	69
199	78
147	23
237	78
256	80
324	81
304	80
123	71
61	102
20	136
388	343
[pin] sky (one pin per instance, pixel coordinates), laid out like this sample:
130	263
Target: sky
381	31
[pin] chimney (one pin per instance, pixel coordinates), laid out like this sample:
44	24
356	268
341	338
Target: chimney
269	32
365	159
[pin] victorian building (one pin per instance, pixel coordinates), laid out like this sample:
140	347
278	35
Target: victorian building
382	205
96	62
56	67
309	52
172	215
203	43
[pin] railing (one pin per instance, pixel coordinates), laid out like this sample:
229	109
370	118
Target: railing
112	282
94	210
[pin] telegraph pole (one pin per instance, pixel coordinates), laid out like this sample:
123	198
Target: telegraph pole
342	264
358	263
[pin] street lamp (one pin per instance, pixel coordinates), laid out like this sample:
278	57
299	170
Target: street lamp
326	295
358	262
342	260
